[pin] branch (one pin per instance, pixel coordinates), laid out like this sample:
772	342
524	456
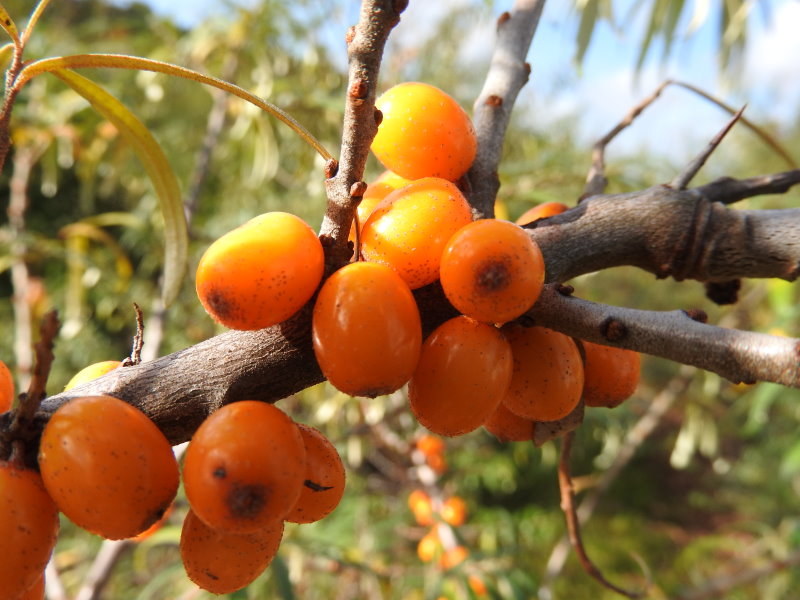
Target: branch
674	233
492	110
344	188
731	353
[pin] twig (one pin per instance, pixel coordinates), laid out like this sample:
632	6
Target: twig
343	185
682	179
507	74
138	340
728	190
573	526
54	587
636	436
101	569
596	180
733	354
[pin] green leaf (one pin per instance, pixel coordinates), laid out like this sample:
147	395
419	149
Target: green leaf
158	169
586	28
121	61
7	23
281	576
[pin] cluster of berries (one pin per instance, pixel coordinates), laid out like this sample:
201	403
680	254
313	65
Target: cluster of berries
110	470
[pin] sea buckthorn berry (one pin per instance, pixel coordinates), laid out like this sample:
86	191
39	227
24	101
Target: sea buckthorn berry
366	330
453	557
462	375
492	271
421	507
410	227
91	372
323	485
222	562
35	592
541	211
244	468
454	511
424	133
6	388
548	373
261	273
430	444
155	526
508	427
28	528
107	466
384	185
611	375
429	546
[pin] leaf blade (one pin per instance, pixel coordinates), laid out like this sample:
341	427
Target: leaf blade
176	239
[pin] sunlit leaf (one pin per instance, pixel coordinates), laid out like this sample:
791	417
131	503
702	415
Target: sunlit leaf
158	169
120	61
586	28
7	23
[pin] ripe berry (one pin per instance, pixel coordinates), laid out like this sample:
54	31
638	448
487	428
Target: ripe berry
508	427
612	375
91	372
323	485
35	592
541	211
429	546
421	507
107	466
6	388
492	271
462	375
261	273
453	557
548	373
244	468
454	511
366	330
423	133
376	191
28	529
222	562
410	227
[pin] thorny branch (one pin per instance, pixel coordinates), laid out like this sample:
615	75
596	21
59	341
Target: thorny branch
344	187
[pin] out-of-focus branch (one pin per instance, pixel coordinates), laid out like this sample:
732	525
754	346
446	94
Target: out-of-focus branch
492	110
344	185
734	354
728	190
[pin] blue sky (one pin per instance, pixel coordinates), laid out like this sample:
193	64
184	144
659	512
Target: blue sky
607	85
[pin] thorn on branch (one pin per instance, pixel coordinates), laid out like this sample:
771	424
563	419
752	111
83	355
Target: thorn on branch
723	292
682	180
138	340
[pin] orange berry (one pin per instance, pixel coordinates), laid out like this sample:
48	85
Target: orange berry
508	427
420	504
366	330
261	273
492	271
423	133
244	468
155	526
222	562
541	211
410	227
437	462
611	374
477	585
28	529
453	557
323	486
6	388
548	373
376	191
454	511
107	466
430	444
35	592
462	375
429	546
91	372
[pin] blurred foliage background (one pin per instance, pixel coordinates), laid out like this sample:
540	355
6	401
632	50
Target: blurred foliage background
695	476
